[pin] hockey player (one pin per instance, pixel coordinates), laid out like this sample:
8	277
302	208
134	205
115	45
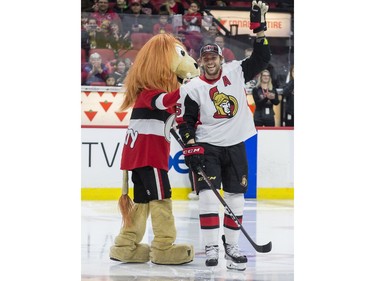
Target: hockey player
214	121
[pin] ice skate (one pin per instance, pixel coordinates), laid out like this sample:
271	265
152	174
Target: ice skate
235	260
212	253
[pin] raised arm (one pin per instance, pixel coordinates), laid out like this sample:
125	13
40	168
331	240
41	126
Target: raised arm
261	55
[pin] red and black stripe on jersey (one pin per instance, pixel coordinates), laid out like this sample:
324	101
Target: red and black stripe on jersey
145	142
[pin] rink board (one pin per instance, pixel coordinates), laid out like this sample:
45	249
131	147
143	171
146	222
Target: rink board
270	157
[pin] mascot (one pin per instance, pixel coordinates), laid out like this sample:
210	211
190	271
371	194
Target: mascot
152	89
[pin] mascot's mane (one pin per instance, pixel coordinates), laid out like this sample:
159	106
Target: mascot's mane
152	68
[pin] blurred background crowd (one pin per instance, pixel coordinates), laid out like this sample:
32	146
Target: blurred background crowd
113	31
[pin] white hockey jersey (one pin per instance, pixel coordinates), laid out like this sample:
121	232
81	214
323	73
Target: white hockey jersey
224	116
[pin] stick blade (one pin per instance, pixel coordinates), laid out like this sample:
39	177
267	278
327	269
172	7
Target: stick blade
263	248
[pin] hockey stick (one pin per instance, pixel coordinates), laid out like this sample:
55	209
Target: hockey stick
259	248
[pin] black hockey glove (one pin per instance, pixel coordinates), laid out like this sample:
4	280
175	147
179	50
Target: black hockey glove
258	16
194	156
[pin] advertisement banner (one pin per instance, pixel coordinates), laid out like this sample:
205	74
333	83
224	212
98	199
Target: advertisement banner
278	24
101	156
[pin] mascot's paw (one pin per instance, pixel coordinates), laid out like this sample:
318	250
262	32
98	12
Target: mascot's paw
177	254
141	253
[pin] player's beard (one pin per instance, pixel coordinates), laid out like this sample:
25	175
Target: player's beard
212	72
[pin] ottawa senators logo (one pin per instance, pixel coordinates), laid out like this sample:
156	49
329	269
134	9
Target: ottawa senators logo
226	106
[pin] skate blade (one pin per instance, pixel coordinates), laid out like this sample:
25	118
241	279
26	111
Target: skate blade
236	266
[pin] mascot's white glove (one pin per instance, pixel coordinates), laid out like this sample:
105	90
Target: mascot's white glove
258	16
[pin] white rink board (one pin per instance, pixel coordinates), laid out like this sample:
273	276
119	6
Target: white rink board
275	158
96	165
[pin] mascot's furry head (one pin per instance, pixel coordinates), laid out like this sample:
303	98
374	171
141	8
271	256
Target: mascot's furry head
161	64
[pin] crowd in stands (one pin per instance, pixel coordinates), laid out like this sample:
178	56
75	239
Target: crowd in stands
116	30
109	29
113	31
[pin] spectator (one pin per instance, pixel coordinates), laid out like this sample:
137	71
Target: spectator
94	71
163	26
288	94
103	36
128	64
105	13
192	20
92	28
118	40
148	8
121	70
89	6
173	7
210	34
84	20
121	8
136	20
110	80
110	65
227	53
85	38
265	98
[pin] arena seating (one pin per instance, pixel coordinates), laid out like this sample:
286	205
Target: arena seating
138	40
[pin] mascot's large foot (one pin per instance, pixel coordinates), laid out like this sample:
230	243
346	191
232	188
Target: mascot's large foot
138	253
163	251
177	254
127	247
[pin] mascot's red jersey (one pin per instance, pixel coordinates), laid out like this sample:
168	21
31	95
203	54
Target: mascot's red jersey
147	140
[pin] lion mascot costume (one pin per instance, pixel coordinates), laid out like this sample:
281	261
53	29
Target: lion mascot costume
152	89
